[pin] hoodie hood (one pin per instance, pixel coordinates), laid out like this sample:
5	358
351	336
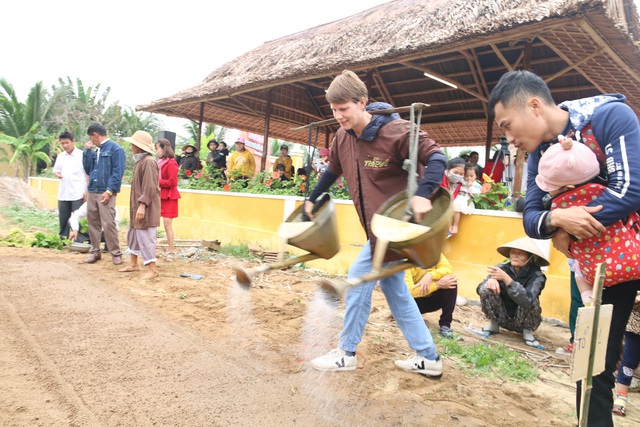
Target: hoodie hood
581	110
377	120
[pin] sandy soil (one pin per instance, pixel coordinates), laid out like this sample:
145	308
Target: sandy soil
85	345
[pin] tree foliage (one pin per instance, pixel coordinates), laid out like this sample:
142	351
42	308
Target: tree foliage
31	127
209	132
23	125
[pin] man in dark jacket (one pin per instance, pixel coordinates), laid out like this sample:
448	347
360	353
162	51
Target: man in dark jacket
189	161
523	107
213	151
104	167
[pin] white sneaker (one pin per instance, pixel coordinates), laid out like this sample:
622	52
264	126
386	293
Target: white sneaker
335	360
421	365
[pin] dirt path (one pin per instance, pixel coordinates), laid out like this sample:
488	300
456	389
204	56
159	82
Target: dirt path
84	345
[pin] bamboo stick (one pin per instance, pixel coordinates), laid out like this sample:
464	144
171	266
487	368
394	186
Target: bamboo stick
586	384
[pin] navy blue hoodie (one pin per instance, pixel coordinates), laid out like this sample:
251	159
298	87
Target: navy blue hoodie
617	131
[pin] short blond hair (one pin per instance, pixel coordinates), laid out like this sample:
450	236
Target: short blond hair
347	87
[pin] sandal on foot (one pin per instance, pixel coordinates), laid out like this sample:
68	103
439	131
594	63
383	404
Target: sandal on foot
620	406
490	331
446	332
170	257
534	343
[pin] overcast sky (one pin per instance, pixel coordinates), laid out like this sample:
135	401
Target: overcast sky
146	50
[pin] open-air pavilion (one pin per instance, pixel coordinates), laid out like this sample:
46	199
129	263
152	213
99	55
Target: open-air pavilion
446	53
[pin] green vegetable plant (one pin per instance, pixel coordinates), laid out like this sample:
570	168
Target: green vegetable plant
16	238
52	241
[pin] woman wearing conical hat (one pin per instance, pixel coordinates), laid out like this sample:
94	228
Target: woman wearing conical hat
510	293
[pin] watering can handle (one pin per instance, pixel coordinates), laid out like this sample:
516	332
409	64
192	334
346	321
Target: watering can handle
411	164
320	201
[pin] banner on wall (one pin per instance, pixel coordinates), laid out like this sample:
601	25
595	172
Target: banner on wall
255	141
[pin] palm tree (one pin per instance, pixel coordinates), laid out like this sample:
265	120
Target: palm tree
28	149
131	121
70	106
22	124
80	106
274	148
83	105
209	132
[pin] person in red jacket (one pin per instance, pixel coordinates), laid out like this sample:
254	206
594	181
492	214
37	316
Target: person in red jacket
169	194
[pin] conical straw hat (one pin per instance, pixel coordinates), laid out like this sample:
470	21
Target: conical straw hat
526	244
142	140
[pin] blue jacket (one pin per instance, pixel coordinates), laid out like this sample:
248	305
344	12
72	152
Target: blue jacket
617	131
107	173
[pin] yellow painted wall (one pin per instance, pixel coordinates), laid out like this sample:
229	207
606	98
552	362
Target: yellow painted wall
7	169
48	191
236	218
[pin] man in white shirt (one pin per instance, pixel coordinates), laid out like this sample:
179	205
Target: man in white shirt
73	180
74	223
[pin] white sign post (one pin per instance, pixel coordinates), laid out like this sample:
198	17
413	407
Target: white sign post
583	336
590	343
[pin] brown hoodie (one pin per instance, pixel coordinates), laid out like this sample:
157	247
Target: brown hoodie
373	168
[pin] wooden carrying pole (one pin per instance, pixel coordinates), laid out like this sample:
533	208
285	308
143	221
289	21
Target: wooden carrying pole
586	383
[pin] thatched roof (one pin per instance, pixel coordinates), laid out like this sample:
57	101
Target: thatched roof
581	47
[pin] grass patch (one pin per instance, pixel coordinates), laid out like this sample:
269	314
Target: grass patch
29	217
488	360
237	251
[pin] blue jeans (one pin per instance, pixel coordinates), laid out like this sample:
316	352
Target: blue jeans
403	308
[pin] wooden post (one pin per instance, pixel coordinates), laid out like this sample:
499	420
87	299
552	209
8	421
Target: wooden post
265	142
517	179
526	60
200	120
587	383
487	151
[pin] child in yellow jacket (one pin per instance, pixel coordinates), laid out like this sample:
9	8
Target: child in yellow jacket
241	163
434	289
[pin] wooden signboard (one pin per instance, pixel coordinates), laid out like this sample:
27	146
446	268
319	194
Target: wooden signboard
582	341
590	343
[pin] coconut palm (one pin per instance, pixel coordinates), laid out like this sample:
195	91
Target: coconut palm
23	124
28	149
82	105
209	132
131	121
274	149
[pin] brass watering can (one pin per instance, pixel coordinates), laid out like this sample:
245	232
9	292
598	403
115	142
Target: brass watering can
318	237
421	244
